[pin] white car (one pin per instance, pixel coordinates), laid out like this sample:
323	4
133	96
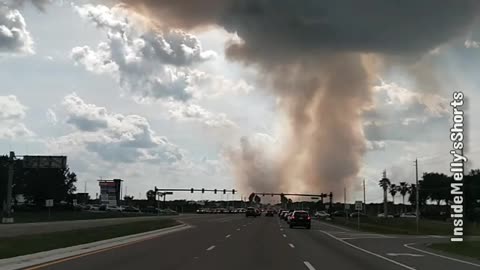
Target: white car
382	215
321	214
114	208
408	215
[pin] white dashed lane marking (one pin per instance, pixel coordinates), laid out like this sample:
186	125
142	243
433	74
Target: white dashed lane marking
228	236
284	235
291	245
309	266
210	248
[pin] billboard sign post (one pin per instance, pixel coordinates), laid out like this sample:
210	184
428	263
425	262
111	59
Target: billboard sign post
358	207
49	205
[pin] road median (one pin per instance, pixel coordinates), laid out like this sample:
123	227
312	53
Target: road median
27	250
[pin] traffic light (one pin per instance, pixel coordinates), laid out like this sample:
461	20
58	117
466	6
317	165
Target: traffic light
233	191
203	190
191	190
215	191
224	191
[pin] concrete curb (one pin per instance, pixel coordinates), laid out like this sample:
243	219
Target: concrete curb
61	253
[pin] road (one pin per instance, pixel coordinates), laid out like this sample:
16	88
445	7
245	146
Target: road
235	242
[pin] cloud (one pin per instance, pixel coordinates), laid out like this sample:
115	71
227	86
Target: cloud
192	112
115	137
14	36
375	145
51	116
402	114
471	44
12	112
151	64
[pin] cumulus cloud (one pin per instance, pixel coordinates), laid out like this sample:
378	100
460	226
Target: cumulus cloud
115	137
12	112
150	63
402	114
375	145
471	44
193	112
14	36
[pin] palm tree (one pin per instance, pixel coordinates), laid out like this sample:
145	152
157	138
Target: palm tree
393	191
384	183
404	189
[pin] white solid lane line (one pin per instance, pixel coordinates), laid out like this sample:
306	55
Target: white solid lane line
438	255
227	236
291	245
210	248
309	266
284	235
369	252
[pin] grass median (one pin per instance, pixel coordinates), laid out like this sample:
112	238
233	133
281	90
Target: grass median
403	226
28	244
42	216
467	249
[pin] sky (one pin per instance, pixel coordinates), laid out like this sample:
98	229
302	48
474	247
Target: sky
172	108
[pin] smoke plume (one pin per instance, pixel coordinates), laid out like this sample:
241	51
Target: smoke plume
317	57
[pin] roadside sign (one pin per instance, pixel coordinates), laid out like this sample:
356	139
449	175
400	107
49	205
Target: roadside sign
347	206
327	206
75	202
358	205
49	203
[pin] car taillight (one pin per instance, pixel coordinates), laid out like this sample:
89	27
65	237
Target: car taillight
308	217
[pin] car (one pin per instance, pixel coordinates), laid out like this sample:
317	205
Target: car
287	215
321	214
408	215
113	208
300	219
251	212
269	213
131	209
382	215
356	214
339	214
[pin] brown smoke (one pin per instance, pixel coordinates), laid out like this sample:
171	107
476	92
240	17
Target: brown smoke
315	56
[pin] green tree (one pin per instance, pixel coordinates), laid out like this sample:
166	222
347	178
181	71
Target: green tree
384	184
393	188
403	189
39	185
472	195
436	187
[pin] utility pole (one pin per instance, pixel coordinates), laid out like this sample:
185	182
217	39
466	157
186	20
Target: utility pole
8	203
417	195
345	203
364	198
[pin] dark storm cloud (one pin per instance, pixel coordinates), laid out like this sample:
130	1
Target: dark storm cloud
318	58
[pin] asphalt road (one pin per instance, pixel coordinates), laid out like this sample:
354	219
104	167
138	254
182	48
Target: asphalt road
235	242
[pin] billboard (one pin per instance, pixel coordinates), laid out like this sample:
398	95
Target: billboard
44	162
110	191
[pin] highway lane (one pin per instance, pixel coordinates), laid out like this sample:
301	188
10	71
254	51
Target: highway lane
236	242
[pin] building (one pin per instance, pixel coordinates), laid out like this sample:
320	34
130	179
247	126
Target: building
110	191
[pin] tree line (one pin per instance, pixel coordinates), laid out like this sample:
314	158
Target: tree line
37	185
436	188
